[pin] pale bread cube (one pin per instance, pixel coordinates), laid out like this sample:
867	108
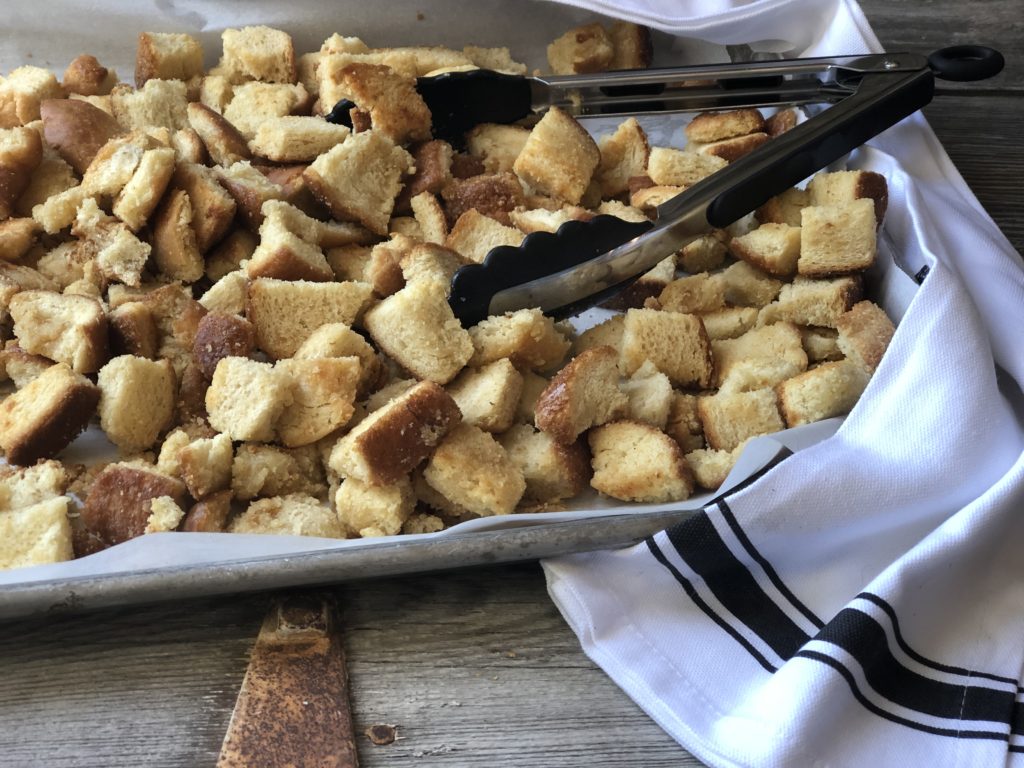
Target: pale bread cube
382	507
772	248
137	398
65	328
812	302
527	337
497	146
864	333
488	396
650	395
167	56
159	103
583	49
258	53
674	167
246	398
638	462
624	154
675	343
471	469
296	139
474	235
323	397
730	418
552	471
559	158
291	515
830	389
837	239
39	534
759	358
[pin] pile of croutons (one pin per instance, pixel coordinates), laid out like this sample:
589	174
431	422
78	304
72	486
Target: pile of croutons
252	301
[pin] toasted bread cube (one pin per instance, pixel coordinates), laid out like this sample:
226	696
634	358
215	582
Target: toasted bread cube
213	208
864	334
632	44
16	237
21	152
830	389
474	235
820	344
648	198
493	195
51	177
417	328
494	59
15	278
221	335
650	396
305	70
246	398
780	122
785	208
715	126
730	418
38	534
607	333
585	393
58	211
227	295
747	286
250	189
649	285
393	440
133	330
209	515
175	249
384	507
77	130
285	312
711	467
39	420
728	322
252	103
759	358
583	49
544	220
673	167
288	249
22	487
164	515
68	329
433	160
683	424
222	140
772	248
167	56
735	148
527	337
419	522
430	216
472	470
115	163
323	393
20	366
840	187
624	155
396	108
497	146
384	271
675	343
296	139
258	53
140	196
291	515
552	471
638	462
812	302
360	178
696	293
119	503
559	158
338	340
21	93
622	211
837	239
216	92
160	103
137	399
488	396
266	470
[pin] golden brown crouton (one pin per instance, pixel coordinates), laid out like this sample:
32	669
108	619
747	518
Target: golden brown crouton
266	470
338	340
785	208
251	189
711	467
675	343
66	328
841	187
209	515
396	108
772	248
759	358
384	508
473	471
292	515
139	197
780	122
394	439
715	126
227	294
559	158
683	423
323	393
864	334
637	462
728	322
623	155
213	209
583	49
246	398
673	167
288	247
133	330
21	93
812	302
222	140
21	151
137	399
702	292
39	420
175	250
86	76
16	237
474	235
731	418
747	286
493	195
77	130
650	284
837	239
527	337
583	394
552	471
296	139
252	103
632	44
167	56
497	146
218	336
830	389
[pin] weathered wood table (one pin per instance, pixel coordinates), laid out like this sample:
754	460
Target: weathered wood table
475	668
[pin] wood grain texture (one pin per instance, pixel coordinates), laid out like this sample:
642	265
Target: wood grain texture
475	668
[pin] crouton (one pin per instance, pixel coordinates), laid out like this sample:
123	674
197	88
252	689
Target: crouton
221	335
840	187
471	469
21	93
715	126
527	337
258	53
759	358
607	333
583	394
747	286
474	235
649	285
544	220
216	92
21	151
137	399
205	465
167	56
864	334
292	515
533	386
772	248
702	292
497	146
711	467
493	195
20	366
673	167
77	130
649	393
38	534
338	340
488	396
87	77
133	330
417	328
250	189
827	390
728	322
396	108
296	139
323	393
68	329
16	237
175	249
433	161
683	424
360	178
730	418
624	154
559	158
266	470
384	508
222	140
837	239
552	471
394	439
252	103
288	247
213	209
120	502
246	398
431	218
820	344
39	420
164	515
582	49
648	198
735	148
24	486
285	312
813	302
209	515
622	211
383	271
158	103
785	208
494	59
51	177
227	295
632	45
637	462
58	211
675	343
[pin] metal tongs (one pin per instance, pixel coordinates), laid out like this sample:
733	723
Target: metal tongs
584	263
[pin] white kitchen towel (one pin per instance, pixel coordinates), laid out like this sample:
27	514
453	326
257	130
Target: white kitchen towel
861	603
